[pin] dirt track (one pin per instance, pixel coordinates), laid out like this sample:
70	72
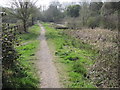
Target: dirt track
46	68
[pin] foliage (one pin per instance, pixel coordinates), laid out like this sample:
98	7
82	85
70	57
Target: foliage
94	14
110	22
9	54
8	51
84	15
73	10
96	6
93	22
104	72
110	15
75	55
21	74
53	13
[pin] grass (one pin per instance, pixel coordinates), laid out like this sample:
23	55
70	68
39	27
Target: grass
23	74
73	57
33	34
106	42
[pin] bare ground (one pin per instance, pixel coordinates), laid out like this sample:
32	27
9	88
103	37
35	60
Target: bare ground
46	68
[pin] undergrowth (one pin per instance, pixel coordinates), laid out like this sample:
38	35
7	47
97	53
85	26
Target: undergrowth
22	75
75	55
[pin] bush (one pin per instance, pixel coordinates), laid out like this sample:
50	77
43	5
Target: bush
73	23
93	22
109	22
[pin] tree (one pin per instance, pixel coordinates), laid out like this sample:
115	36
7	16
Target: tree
109	13
22	9
73	10
53	13
95	8
84	13
35	14
93	22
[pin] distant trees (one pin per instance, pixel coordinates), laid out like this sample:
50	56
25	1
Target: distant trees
53	13
94	17
95	7
109	13
35	14
73	10
84	14
94	14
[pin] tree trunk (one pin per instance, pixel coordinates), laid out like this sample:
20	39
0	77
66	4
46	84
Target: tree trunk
83	21
24	25
32	21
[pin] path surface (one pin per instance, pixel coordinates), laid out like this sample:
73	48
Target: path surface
46	67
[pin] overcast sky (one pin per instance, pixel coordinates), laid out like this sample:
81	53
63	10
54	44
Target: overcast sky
46	2
39	2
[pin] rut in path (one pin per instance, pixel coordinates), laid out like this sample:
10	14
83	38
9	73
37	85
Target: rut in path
47	70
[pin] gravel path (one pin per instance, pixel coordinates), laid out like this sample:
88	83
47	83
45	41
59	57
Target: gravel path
46	67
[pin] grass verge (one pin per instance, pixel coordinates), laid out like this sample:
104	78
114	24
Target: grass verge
23	74
73	57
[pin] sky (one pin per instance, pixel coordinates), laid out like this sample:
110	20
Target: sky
6	3
39	2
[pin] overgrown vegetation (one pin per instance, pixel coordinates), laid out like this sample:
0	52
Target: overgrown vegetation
84	14
106	64
75	55
91	23
96	23
21	74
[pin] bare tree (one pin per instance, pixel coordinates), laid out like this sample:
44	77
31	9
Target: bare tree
22	9
84	13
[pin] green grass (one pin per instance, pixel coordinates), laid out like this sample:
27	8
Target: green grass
74	57
23	74
33	34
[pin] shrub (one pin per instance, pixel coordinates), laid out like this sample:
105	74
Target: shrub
109	22
92	22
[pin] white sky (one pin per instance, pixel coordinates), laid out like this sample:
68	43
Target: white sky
39	2
46	2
